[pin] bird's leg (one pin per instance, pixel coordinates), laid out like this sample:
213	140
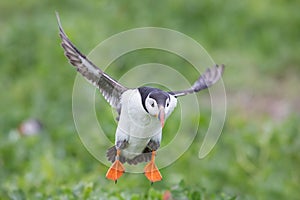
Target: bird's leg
117	169
151	171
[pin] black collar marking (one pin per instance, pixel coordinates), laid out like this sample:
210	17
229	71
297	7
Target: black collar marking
157	94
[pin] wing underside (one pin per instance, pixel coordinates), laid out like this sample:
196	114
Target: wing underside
207	79
110	89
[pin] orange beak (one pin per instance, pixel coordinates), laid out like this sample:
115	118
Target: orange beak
161	116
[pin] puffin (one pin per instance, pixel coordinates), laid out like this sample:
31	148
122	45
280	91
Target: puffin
142	111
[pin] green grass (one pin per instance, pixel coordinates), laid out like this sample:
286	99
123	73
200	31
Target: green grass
257	155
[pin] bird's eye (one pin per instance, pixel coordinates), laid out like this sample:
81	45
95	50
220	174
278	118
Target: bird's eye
168	103
152	104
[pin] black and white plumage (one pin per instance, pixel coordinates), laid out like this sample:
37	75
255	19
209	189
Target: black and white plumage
142	111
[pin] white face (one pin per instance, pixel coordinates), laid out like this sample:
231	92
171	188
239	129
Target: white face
153	107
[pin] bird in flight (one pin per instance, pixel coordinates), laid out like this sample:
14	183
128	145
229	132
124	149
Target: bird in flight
141	111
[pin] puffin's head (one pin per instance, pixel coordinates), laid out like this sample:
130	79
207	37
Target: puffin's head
158	104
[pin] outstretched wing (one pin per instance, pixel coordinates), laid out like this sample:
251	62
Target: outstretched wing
110	89
210	77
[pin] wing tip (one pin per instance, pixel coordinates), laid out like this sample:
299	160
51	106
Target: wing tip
220	68
59	22
207	79
215	74
68	46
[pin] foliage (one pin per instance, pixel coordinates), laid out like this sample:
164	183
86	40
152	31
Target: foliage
257	156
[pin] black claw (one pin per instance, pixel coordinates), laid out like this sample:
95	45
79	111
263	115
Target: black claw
151	183
116	181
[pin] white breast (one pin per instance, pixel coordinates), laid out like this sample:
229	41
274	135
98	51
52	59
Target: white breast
135	124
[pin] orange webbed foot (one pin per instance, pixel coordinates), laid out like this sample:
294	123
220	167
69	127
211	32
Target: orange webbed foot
151	171
116	170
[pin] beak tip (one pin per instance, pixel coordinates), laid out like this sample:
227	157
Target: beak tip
161	116
162	124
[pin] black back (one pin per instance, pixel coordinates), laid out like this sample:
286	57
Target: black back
155	93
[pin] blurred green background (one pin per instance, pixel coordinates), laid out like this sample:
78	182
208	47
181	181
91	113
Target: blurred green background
257	155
